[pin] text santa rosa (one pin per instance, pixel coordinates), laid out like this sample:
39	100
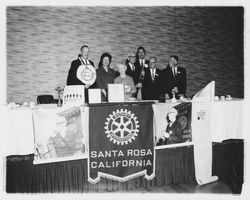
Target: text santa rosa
122	158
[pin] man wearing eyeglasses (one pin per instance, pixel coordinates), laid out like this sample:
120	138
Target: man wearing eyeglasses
151	85
132	69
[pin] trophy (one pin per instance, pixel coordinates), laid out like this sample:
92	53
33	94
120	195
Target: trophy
59	93
173	100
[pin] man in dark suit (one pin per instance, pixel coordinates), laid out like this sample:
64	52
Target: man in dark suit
151	85
174	78
141	62
173	133
141	57
132	70
81	60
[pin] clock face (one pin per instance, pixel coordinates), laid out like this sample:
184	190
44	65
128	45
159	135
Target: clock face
86	74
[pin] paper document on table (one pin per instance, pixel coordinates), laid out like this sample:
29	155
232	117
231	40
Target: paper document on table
95	95
116	93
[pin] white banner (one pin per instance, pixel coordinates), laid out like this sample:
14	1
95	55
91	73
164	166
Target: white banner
59	134
202	138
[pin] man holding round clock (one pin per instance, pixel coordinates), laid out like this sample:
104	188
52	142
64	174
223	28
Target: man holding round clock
81	69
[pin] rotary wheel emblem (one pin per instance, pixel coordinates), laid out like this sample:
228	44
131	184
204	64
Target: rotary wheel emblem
121	127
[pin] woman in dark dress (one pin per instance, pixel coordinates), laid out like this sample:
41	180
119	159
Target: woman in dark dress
104	74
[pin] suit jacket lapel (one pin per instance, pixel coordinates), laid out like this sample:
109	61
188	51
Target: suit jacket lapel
156	75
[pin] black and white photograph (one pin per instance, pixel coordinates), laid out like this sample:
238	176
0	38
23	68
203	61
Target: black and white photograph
124	98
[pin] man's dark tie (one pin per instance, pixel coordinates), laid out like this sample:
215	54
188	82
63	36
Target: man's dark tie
174	75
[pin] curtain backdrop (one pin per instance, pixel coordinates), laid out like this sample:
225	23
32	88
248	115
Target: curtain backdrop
173	166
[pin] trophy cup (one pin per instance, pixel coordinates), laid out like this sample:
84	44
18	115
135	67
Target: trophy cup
173	100
59	93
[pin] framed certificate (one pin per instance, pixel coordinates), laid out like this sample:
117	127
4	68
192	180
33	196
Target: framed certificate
95	95
116	93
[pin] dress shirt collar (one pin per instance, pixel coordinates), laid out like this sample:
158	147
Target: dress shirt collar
132	67
142	61
174	70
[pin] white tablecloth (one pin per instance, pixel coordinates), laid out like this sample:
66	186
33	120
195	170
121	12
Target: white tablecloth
226	123
18	134
226	120
19	130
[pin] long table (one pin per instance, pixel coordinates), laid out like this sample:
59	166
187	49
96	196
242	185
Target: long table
174	165
226	124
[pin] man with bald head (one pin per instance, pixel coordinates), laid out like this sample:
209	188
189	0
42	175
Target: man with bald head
151	85
83	59
133	70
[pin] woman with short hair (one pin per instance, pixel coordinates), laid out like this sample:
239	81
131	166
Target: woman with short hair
126	80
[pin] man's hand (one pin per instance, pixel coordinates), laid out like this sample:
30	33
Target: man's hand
165	134
175	90
87	86
138	85
181	96
143	73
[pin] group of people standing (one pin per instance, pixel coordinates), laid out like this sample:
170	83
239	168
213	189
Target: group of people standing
141	77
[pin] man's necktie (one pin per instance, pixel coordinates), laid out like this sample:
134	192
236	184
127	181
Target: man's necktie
174	75
153	75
